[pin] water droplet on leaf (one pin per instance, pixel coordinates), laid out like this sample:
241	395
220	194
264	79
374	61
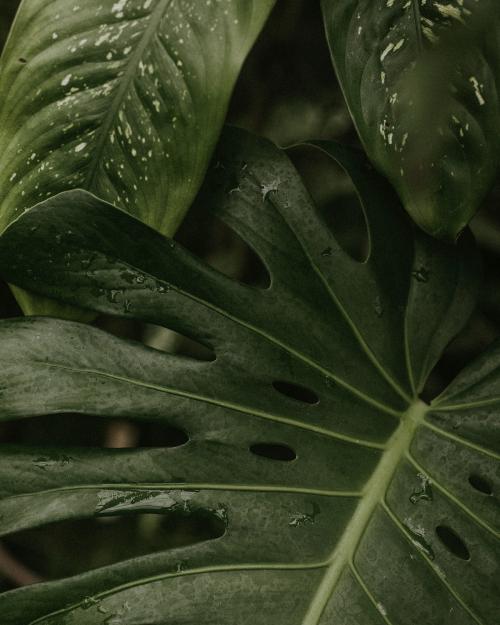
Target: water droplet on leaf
222	514
298	519
268	188
417	534
421	274
89	602
113	296
424	493
377	305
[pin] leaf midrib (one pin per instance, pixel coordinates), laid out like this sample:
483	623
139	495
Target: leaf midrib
342	556
156	18
375	492
418	25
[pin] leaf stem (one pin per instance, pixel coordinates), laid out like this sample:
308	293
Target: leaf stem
374	494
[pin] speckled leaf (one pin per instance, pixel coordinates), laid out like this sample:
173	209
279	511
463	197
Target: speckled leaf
421	78
123	98
352	525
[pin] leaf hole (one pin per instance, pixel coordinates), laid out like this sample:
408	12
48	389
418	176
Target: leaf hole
142	435
157	337
221	247
71	547
335	196
274	451
472	341
480	484
296	391
81	430
171	342
452	541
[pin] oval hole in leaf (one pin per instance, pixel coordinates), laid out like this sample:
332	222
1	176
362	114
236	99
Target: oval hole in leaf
296	391
79	430
274	451
481	484
222	248
101	542
452	541
335	197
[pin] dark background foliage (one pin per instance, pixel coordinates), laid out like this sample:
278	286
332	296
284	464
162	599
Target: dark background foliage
288	93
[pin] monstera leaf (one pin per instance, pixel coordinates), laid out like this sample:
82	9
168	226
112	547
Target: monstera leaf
421	79
380	509
122	98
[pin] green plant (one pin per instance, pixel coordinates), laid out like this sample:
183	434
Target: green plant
131	97
421	82
336	493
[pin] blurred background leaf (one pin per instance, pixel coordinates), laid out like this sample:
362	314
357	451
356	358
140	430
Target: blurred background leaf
422	83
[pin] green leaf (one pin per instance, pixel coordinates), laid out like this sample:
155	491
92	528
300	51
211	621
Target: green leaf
122	98
421	81
356	529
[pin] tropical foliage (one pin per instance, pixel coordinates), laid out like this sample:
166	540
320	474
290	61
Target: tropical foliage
330	481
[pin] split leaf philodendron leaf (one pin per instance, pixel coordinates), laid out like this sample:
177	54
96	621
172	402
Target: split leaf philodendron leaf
122	98
370	517
421	79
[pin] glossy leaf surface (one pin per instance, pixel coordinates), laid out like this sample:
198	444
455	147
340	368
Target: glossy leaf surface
421	78
352	524
122	98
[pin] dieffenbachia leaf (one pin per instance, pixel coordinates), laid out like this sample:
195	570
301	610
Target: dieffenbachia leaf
382	517
122	98
421	78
